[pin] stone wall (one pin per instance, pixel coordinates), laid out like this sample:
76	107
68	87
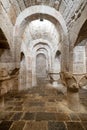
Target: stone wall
79	60
41	26
8	80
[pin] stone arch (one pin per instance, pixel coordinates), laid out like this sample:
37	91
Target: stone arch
38	41
33	13
40	49
34	49
45	46
81	44
42	43
46	53
82	33
74	32
35	45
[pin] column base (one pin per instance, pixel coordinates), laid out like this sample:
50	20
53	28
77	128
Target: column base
73	101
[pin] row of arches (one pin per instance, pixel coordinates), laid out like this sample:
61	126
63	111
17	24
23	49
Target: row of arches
31	55
42	63
40	45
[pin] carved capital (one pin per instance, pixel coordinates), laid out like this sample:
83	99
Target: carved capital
70	81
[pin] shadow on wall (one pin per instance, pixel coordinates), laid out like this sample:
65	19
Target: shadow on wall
57	62
8	75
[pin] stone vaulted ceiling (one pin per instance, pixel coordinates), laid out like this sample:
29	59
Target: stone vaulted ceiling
10	9
83	32
70	9
42	29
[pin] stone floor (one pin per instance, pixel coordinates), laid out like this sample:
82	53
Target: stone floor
41	108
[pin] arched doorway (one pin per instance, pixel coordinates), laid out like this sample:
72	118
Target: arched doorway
53	33
41	68
33	13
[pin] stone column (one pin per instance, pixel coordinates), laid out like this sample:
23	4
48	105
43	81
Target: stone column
73	100
29	72
65	56
22	76
34	81
17	48
71	59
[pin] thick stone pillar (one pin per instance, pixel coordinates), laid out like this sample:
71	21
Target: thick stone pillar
16	53
71	59
73	100
29	72
65	56
34	81
22	76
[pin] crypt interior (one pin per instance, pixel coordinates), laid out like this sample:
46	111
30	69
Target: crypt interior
43	64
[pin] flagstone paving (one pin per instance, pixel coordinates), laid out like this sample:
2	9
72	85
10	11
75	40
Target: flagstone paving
41	108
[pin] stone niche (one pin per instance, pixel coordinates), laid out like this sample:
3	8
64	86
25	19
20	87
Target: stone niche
41	68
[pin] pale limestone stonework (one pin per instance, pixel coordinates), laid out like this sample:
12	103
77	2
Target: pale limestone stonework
42	42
